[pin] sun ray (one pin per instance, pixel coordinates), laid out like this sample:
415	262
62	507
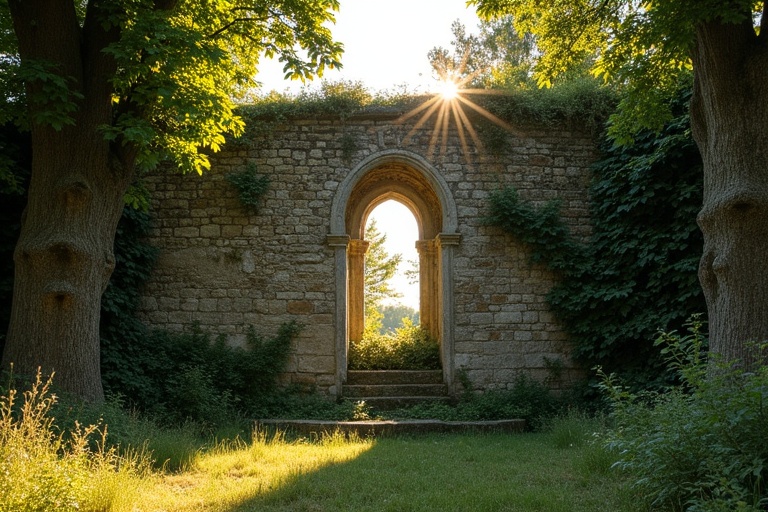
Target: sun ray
449	102
471	129
488	115
423	119
438	128
418	109
485	92
446	122
460	129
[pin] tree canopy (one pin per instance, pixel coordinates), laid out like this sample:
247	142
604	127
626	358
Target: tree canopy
498	56
643	48
380	268
173	69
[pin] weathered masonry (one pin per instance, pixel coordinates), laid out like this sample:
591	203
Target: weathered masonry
300	257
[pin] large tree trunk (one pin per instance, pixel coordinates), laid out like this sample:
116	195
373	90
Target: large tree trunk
64	258
63	261
729	114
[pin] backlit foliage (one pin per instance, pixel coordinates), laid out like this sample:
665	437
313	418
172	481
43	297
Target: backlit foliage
642	47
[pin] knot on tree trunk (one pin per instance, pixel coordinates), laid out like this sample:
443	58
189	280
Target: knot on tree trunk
75	195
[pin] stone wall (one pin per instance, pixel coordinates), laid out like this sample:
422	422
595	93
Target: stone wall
225	267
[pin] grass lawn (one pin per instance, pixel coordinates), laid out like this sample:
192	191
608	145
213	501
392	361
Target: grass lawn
499	472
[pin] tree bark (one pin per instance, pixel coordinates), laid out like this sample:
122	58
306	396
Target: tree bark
64	255
729	115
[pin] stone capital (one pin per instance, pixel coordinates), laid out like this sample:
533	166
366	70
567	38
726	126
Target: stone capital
337	240
357	247
446	239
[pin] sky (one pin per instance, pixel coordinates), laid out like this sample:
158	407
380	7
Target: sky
385	43
399	225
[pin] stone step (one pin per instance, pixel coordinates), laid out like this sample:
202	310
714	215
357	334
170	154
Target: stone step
312	428
378	390
388	403
365	377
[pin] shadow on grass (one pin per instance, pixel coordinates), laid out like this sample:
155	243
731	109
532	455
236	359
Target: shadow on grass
477	473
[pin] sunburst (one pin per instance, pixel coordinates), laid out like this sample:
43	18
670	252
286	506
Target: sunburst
448	103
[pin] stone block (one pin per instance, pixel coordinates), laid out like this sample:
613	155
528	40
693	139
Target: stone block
317	364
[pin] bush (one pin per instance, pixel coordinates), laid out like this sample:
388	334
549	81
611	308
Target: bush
250	187
408	348
700	446
192	377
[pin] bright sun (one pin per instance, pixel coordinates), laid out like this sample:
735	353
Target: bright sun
448	89
449	102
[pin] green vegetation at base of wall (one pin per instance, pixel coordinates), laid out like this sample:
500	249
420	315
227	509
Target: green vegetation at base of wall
699	446
194	376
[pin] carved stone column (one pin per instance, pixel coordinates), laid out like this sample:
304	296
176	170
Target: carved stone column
446	243
339	244
429	287
356	288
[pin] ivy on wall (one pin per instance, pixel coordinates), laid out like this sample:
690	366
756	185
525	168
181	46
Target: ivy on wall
638	273
250	186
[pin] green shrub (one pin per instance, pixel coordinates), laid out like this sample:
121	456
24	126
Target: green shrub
191	377
408	348
250	187
700	446
291	403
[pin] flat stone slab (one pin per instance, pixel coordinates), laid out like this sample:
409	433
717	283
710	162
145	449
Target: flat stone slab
391	427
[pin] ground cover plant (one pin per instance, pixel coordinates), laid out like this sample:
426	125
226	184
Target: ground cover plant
527	399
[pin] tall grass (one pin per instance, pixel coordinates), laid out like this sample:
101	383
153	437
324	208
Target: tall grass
45	468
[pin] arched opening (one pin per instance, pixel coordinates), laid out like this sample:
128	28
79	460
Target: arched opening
406	186
411	181
392	290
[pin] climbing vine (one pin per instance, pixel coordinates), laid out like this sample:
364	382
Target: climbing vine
638	273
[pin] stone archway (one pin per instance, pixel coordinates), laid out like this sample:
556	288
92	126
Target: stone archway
412	181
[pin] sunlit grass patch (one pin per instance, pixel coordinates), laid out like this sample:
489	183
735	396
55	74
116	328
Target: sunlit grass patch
45	468
497	472
235	471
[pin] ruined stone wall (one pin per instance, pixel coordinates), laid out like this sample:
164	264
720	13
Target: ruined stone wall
225	268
